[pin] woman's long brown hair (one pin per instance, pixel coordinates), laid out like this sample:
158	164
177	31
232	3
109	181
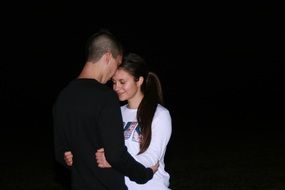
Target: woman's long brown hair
151	88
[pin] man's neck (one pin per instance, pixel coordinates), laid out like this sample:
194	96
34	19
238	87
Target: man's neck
92	72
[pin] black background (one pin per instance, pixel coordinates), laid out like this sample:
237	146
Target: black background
221	65
211	58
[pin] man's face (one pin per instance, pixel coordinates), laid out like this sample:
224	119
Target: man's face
115	62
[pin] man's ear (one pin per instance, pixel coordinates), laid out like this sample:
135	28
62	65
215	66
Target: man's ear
107	57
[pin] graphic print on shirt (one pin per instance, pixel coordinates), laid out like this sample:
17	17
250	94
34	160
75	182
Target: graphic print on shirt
132	128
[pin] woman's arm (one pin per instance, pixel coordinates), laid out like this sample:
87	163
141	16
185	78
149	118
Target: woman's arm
161	133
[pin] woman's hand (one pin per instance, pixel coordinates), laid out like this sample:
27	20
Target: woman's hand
68	157
101	159
155	167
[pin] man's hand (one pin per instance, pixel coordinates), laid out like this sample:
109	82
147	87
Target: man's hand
101	159
68	157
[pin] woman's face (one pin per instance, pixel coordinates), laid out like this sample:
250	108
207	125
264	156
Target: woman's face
125	85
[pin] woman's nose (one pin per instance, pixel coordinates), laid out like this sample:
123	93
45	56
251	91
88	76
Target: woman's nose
116	87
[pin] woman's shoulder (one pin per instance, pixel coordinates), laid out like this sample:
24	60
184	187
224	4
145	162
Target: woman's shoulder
162	111
161	108
162	119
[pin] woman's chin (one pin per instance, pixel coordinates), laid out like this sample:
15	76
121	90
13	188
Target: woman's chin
122	99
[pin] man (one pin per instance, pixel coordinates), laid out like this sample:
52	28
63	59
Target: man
87	117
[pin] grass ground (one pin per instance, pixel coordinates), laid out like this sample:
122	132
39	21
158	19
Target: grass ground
203	160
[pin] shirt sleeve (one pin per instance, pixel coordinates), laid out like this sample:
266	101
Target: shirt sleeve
112	137
60	141
161	133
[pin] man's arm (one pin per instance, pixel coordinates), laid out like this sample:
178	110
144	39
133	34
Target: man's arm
59	138
101	160
112	137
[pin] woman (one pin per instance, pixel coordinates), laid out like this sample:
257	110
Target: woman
147	124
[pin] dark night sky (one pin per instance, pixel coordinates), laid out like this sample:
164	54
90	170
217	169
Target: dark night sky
214	62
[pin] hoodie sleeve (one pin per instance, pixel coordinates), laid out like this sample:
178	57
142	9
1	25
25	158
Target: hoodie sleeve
161	133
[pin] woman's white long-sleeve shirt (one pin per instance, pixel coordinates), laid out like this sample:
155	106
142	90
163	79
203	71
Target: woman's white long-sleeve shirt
161	132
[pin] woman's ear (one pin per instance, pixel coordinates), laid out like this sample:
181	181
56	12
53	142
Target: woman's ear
140	81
